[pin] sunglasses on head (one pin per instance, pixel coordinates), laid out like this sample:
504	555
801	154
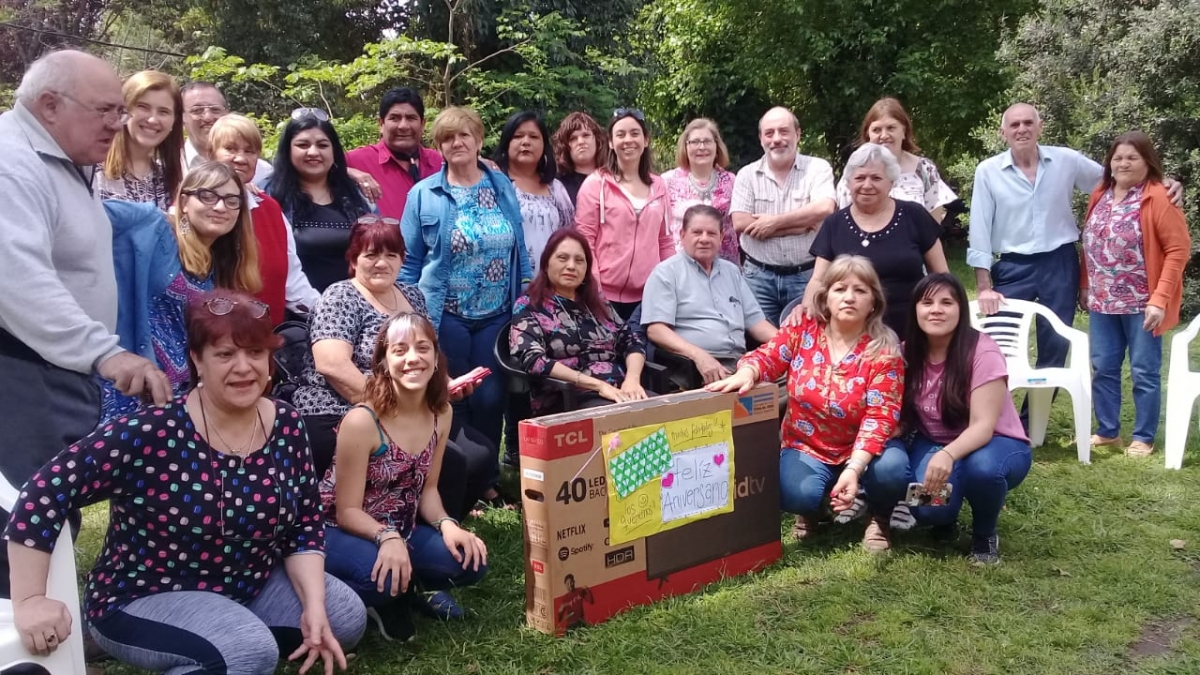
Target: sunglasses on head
629	112
221	306
301	113
371	219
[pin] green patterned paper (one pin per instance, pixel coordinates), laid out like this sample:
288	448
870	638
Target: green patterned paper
643	462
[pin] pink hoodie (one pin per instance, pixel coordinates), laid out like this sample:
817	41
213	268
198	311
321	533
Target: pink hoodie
625	245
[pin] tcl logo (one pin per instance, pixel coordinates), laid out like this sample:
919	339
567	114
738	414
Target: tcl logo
570	438
538	567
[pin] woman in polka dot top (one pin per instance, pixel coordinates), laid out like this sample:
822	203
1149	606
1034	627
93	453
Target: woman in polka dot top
207	496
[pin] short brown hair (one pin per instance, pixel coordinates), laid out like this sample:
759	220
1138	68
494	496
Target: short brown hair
890	107
1144	147
380	391
372	233
454	119
681	158
240	324
578	121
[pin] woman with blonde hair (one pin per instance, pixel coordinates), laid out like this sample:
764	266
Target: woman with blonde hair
143	162
845	383
236	141
163	262
701	176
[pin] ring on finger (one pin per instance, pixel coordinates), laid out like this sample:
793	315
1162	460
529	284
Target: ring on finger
51	639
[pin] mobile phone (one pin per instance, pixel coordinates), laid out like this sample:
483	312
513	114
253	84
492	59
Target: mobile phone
917	496
474	377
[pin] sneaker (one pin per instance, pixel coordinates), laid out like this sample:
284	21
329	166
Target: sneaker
393	621
985	551
804	528
877	537
902	519
439	605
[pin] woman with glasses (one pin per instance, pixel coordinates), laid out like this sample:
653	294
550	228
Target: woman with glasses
144	162
623	211
317	194
236	141
580	148
164	262
701	177
388	526
466	248
213	560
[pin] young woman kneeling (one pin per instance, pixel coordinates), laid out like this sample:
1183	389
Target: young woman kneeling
385	475
963	429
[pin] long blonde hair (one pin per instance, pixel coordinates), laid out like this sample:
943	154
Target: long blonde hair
883	340
233	258
169	152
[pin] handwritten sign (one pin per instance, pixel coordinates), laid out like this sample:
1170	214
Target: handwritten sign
666	475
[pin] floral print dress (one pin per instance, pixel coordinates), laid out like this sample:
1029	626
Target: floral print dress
565	331
481	247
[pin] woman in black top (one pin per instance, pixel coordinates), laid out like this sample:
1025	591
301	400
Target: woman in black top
317	195
899	237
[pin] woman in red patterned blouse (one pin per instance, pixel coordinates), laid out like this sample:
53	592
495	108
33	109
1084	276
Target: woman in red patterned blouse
845	383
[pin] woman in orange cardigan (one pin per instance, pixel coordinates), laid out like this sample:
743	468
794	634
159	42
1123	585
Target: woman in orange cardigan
1135	246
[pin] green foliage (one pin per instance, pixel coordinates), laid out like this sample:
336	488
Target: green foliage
1096	69
828	60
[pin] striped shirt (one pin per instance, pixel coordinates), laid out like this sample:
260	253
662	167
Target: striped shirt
756	191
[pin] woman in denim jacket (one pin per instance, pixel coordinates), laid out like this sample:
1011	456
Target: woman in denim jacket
466	251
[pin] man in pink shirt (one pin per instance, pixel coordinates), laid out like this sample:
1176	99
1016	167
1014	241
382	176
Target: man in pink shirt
398	161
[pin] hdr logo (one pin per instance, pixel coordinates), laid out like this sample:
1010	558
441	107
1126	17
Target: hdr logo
619	557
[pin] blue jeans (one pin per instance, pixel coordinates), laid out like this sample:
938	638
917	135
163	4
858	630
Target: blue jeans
775	291
351	558
805	481
469	343
983	478
1110	336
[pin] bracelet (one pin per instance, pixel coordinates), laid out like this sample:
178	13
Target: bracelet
952	459
384	530
858	466
437	524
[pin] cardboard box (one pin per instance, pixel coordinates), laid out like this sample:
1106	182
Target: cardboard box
573	575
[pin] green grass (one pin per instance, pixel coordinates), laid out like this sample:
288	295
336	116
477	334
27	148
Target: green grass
1089	584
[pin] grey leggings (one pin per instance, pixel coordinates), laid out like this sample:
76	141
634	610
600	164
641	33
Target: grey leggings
199	632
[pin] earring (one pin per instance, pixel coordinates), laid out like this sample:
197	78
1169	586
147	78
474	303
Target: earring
199	383
185	225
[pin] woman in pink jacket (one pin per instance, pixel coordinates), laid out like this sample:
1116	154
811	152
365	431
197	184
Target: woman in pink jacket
622	211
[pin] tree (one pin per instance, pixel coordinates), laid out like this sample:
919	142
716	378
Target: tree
1096	69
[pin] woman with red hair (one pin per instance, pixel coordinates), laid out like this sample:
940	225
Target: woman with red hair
563	328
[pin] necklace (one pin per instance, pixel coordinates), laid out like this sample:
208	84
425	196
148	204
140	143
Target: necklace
239	452
703	192
391	309
868	237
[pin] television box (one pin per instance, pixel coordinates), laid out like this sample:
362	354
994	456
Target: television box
573	576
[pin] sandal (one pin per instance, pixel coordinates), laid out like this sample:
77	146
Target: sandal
1100	441
1139	449
804	528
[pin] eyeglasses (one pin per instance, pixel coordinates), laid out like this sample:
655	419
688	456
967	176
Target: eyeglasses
301	113
371	219
701	143
629	112
210	198
109	113
199	111
221	306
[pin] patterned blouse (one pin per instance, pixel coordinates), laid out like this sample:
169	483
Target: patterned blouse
684	194
168	338
481	246
179	512
152	188
542	216
565	331
1116	263
344	314
833	408
395	481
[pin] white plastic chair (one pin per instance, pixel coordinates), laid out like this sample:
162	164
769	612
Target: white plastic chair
68	659
1010	328
1183	386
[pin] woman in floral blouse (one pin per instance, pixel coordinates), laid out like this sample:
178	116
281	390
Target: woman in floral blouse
845	382
563	328
1135	246
702	177
193	578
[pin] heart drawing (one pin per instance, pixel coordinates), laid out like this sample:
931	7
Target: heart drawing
668	480
719	458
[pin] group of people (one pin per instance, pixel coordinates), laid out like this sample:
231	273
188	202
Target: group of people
160	266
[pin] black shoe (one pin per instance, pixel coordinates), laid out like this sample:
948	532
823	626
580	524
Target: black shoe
945	534
511	458
985	551
394	621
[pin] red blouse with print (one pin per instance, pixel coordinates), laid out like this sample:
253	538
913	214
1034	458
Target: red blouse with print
833	409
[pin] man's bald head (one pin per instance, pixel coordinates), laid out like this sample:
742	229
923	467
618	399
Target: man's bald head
77	98
1021	127
64	71
1022	108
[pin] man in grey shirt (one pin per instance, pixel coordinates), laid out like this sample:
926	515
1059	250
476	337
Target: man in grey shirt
58	308
698	305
